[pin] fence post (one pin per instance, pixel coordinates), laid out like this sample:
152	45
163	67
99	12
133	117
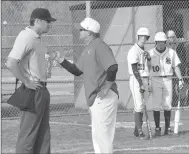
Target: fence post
88	8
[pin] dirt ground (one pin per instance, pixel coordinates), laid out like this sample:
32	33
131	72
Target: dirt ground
72	134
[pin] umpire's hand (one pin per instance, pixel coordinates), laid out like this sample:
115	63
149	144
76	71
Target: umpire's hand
33	85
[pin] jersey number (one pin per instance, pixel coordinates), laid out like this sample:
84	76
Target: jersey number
155	68
140	66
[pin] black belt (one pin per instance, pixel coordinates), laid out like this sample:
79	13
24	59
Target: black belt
44	84
163	76
141	76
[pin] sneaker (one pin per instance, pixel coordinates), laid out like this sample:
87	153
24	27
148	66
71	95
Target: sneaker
167	131
157	131
141	135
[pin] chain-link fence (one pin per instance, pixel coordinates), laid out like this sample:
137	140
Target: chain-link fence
119	22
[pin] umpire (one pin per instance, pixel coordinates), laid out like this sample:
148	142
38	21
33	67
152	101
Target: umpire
27	63
99	68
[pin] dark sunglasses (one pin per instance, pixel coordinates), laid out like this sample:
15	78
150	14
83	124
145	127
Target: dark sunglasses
48	21
82	30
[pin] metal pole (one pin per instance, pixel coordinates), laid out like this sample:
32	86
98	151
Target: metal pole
88	8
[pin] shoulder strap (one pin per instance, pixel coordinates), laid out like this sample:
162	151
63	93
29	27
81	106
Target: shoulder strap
16	83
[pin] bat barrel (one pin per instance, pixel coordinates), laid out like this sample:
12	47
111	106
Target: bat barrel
177	120
176	128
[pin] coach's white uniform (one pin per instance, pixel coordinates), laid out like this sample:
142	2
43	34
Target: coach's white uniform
162	65
136	55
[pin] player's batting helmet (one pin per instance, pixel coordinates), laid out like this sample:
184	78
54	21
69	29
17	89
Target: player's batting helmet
160	36
143	31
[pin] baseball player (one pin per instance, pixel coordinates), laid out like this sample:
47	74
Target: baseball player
164	61
139	75
172	40
99	67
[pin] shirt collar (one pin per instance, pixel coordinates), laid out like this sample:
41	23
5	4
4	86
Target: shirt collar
139	48
32	32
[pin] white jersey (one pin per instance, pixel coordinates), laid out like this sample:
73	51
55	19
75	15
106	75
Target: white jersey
162	64
136	55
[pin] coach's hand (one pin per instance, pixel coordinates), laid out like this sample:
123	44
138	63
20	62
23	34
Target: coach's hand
59	58
103	92
105	89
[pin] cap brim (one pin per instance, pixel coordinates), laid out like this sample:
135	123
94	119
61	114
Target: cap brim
78	26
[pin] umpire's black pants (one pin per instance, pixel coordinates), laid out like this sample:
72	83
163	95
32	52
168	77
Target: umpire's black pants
34	135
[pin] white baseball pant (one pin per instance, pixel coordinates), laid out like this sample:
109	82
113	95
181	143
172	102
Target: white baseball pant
103	117
161	93
137	95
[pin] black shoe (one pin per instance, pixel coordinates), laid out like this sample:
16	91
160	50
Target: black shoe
135	133
167	131
157	132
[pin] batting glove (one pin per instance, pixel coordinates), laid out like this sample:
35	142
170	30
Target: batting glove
181	83
147	56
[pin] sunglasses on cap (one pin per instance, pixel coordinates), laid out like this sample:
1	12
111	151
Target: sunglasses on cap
48	21
82	30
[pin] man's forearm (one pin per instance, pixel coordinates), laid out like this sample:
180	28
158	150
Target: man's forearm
178	72
72	68
111	75
14	67
136	73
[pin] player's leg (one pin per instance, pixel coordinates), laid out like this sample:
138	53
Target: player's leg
167	100
103	116
131	82
157	101
138	106
136	132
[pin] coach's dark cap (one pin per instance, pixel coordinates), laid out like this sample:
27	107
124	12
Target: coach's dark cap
42	14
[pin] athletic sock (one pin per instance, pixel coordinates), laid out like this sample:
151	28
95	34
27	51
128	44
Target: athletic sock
157	118
141	118
167	115
138	120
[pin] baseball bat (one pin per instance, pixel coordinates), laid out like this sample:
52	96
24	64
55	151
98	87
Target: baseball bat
177	116
149	129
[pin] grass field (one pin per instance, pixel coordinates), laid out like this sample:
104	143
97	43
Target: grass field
72	134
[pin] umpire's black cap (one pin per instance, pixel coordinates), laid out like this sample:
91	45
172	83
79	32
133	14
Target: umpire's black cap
43	14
